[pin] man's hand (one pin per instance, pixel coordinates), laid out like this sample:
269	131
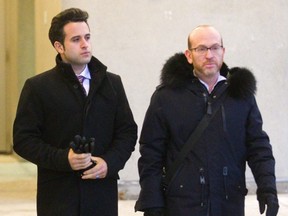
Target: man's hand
79	161
97	172
270	201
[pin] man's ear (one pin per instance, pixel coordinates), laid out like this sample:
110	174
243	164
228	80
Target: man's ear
188	54
59	47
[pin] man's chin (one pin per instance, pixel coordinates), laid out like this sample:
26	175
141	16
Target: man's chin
211	72
86	60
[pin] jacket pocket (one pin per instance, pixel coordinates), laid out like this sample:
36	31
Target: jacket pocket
189	184
233	184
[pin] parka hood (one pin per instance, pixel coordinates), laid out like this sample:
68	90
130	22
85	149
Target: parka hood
177	71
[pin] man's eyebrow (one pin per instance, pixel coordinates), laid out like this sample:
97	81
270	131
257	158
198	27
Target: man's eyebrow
74	37
77	36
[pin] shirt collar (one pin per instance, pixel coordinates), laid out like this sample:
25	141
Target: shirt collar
86	73
220	78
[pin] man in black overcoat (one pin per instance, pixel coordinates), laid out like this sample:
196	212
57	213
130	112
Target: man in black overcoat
74	122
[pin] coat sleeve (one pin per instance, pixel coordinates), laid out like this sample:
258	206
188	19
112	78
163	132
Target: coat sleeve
153	153
259	152
125	131
27	133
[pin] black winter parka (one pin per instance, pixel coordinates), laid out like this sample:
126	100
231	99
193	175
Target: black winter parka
212	178
53	109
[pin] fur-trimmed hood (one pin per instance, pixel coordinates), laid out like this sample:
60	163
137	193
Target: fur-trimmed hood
177	70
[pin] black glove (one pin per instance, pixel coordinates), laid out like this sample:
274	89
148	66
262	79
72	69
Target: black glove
82	145
154	212
271	201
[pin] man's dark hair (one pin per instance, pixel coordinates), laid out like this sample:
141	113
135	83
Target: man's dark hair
56	31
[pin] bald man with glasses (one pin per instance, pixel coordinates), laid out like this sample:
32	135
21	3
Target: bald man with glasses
201	128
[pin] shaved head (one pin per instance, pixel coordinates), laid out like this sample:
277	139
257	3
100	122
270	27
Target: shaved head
198	31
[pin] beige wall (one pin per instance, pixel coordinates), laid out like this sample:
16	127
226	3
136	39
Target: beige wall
8	72
45	10
135	37
2	81
23	37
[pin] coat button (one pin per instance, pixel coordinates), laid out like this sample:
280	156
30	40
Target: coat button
75	86
181	186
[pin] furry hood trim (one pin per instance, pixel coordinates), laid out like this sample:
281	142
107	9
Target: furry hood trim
177	70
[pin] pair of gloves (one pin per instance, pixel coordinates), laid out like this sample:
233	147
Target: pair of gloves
82	145
268	201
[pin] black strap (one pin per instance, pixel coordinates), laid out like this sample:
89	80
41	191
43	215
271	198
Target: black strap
193	139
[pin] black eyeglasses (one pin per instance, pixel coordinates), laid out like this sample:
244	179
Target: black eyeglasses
202	50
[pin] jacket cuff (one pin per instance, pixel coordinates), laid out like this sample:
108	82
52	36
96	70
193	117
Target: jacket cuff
266	190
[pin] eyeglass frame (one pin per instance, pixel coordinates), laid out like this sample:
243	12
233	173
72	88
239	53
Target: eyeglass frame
219	47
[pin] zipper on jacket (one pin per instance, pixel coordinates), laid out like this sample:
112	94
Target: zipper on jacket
209	108
205	97
223	118
225	174
207	103
202	182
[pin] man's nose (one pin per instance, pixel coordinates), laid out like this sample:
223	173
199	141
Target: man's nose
209	54
84	43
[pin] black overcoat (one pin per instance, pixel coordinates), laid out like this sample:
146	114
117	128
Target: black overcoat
52	110
212	178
